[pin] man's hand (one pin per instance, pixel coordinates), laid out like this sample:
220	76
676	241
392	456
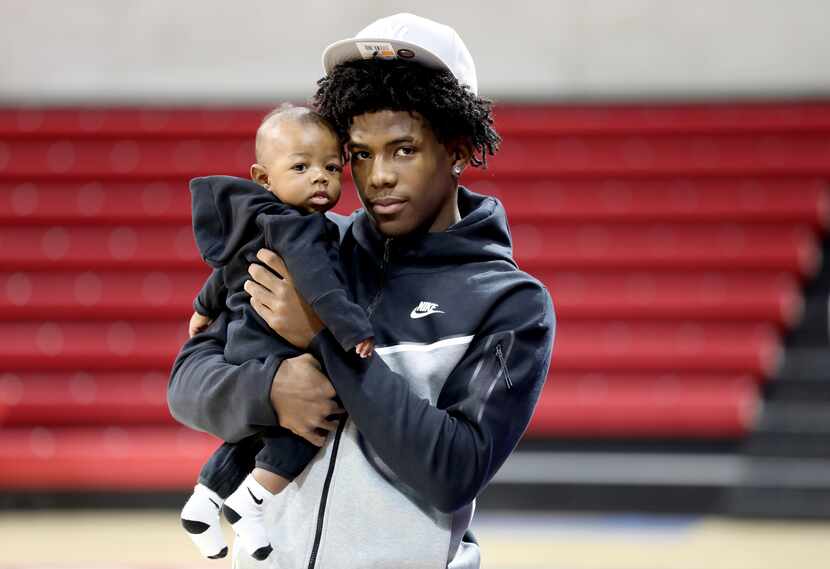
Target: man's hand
279	303
303	399
198	323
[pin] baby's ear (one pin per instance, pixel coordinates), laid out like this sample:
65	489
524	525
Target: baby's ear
259	175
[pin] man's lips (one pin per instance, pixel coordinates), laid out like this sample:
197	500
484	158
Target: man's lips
387	205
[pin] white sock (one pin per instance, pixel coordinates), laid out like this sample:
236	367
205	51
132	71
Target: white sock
200	519
245	510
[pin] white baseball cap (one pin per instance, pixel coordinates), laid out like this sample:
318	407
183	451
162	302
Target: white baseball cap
408	37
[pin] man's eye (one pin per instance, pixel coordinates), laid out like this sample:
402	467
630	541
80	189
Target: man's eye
299	167
406	151
360	155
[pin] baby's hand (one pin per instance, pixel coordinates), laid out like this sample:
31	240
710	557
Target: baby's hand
198	323
365	348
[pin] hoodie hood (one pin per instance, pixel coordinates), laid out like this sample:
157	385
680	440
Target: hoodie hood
481	235
223	210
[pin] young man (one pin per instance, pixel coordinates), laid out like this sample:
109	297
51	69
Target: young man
463	337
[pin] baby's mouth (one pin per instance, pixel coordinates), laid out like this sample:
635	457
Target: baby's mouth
319	198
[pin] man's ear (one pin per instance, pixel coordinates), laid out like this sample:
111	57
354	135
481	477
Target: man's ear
259	175
461	151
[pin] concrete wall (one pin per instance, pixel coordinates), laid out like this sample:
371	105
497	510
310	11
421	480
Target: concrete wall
260	51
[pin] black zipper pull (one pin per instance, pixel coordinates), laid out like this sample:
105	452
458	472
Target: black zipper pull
387	245
500	356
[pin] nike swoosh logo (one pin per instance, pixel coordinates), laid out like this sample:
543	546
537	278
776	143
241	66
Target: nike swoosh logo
254	498
214	503
415	314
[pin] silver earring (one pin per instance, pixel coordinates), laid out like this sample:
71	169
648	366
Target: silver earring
457	169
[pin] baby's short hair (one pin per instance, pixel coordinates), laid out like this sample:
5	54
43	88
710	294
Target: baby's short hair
287	111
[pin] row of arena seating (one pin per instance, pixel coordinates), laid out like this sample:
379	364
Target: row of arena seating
531	156
675	200
587	345
675	241
566	245
774	297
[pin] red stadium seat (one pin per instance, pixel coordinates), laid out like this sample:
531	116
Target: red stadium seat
580	295
799	154
101	247
85	203
104	203
674	295
96	459
84	398
564	245
511	120
581	345
773	200
99	295
792	248
655	407
519	120
112	345
714	347
123	122
684	200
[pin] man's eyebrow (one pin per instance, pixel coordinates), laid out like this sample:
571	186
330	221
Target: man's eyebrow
400	139
407	138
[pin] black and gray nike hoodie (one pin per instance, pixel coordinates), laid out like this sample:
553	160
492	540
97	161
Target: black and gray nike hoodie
463	344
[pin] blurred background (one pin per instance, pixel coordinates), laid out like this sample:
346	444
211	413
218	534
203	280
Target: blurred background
665	170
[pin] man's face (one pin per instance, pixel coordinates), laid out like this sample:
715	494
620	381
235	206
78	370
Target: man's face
402	173
301	161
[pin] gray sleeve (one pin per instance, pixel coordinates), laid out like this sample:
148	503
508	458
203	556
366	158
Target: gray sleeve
208	394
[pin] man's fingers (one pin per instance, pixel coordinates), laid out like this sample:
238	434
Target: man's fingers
308	359
314	438
324	386
264	277
274	262
329	426
258	292
261	309
332	408
326	389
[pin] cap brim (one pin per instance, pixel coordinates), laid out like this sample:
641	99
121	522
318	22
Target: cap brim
347	50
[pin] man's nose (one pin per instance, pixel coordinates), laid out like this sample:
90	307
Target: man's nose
382	174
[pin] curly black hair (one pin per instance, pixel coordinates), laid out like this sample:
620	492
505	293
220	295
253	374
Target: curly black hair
451	109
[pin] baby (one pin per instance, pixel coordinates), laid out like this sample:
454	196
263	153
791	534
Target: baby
296	179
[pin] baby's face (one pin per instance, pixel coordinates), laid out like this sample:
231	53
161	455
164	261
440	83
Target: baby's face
303	164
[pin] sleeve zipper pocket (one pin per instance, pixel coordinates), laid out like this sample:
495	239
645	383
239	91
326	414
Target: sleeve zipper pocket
503	365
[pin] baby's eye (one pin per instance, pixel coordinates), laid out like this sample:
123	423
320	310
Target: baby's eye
299	167
406	151
334	168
